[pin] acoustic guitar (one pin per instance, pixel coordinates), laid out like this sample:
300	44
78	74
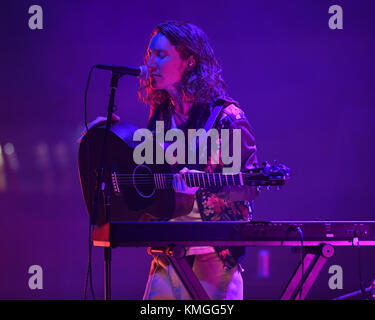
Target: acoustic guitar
145	192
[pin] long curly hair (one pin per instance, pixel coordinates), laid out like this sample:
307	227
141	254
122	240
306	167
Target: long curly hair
200	85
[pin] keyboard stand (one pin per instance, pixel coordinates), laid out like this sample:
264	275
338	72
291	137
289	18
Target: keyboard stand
176	256
314	259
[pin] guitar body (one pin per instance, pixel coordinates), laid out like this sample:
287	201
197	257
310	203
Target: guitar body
136	201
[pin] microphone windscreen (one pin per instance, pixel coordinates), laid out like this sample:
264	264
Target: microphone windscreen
144	74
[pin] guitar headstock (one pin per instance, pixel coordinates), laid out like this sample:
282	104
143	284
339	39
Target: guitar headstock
267	174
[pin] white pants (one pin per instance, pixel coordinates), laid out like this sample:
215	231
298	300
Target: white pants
164	284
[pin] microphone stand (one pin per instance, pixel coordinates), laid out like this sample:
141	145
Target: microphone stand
105	186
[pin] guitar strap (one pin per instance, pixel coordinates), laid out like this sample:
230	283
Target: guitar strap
236	253
212	118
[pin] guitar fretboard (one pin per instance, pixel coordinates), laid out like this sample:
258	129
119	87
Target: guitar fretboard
204	180
212	179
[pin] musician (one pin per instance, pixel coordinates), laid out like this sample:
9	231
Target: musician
184	86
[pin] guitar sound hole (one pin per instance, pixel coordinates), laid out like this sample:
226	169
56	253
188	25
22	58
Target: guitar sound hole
143	181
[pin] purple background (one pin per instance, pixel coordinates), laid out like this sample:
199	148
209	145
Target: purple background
307	90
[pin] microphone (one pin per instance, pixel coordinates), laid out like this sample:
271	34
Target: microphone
141	72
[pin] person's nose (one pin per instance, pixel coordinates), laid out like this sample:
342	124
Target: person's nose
151	63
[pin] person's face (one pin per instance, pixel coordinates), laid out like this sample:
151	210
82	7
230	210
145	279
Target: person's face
165	64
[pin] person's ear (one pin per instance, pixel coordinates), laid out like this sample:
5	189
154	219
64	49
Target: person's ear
191	62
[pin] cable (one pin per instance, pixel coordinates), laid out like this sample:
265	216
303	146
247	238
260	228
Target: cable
298	229
89	270
363	290
86	90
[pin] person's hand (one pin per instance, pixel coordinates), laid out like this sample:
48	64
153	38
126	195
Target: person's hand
97	122
179	184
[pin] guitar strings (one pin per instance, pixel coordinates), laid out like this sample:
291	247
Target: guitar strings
183	174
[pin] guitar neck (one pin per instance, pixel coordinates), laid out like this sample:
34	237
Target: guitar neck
258	177
201	179
212	179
